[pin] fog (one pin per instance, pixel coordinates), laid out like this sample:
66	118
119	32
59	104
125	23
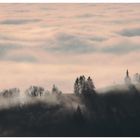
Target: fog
39	112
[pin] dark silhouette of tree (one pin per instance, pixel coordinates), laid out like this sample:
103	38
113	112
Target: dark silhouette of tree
76	86
13	92
78	116
35	91
133	89
78	111
90	83
83	86
90	88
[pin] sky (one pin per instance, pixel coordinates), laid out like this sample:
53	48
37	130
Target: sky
46	44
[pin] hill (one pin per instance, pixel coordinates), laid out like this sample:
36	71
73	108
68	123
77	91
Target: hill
114	113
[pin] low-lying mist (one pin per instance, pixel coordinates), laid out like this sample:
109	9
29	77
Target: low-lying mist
114	111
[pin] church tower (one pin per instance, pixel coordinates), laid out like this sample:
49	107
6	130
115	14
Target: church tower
127	79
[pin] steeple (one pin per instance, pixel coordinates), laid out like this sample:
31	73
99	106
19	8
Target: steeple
127	73
127	79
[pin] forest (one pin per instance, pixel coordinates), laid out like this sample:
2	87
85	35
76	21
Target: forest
87	112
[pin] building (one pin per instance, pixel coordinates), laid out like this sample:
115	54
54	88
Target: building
127	78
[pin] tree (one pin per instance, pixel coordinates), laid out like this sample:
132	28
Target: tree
76	86
83	86
46	92
56	91
35	91
137	78
13	92
90	85
78	116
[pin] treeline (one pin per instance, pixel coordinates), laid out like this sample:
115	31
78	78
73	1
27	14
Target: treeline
32	91
84	113
82	86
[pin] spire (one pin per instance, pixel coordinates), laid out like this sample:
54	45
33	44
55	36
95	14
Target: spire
127	73
127	79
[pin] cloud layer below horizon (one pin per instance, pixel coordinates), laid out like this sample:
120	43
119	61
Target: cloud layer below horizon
43	44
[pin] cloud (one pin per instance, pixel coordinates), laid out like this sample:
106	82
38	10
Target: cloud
21	11
86	44
18	21
125	21
85	15
67	43
98	38
21	58
121	48
88	15
6	47
6	53
130	32
47	8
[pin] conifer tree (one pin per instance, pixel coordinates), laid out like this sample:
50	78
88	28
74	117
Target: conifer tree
90	84
83	86
76	86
